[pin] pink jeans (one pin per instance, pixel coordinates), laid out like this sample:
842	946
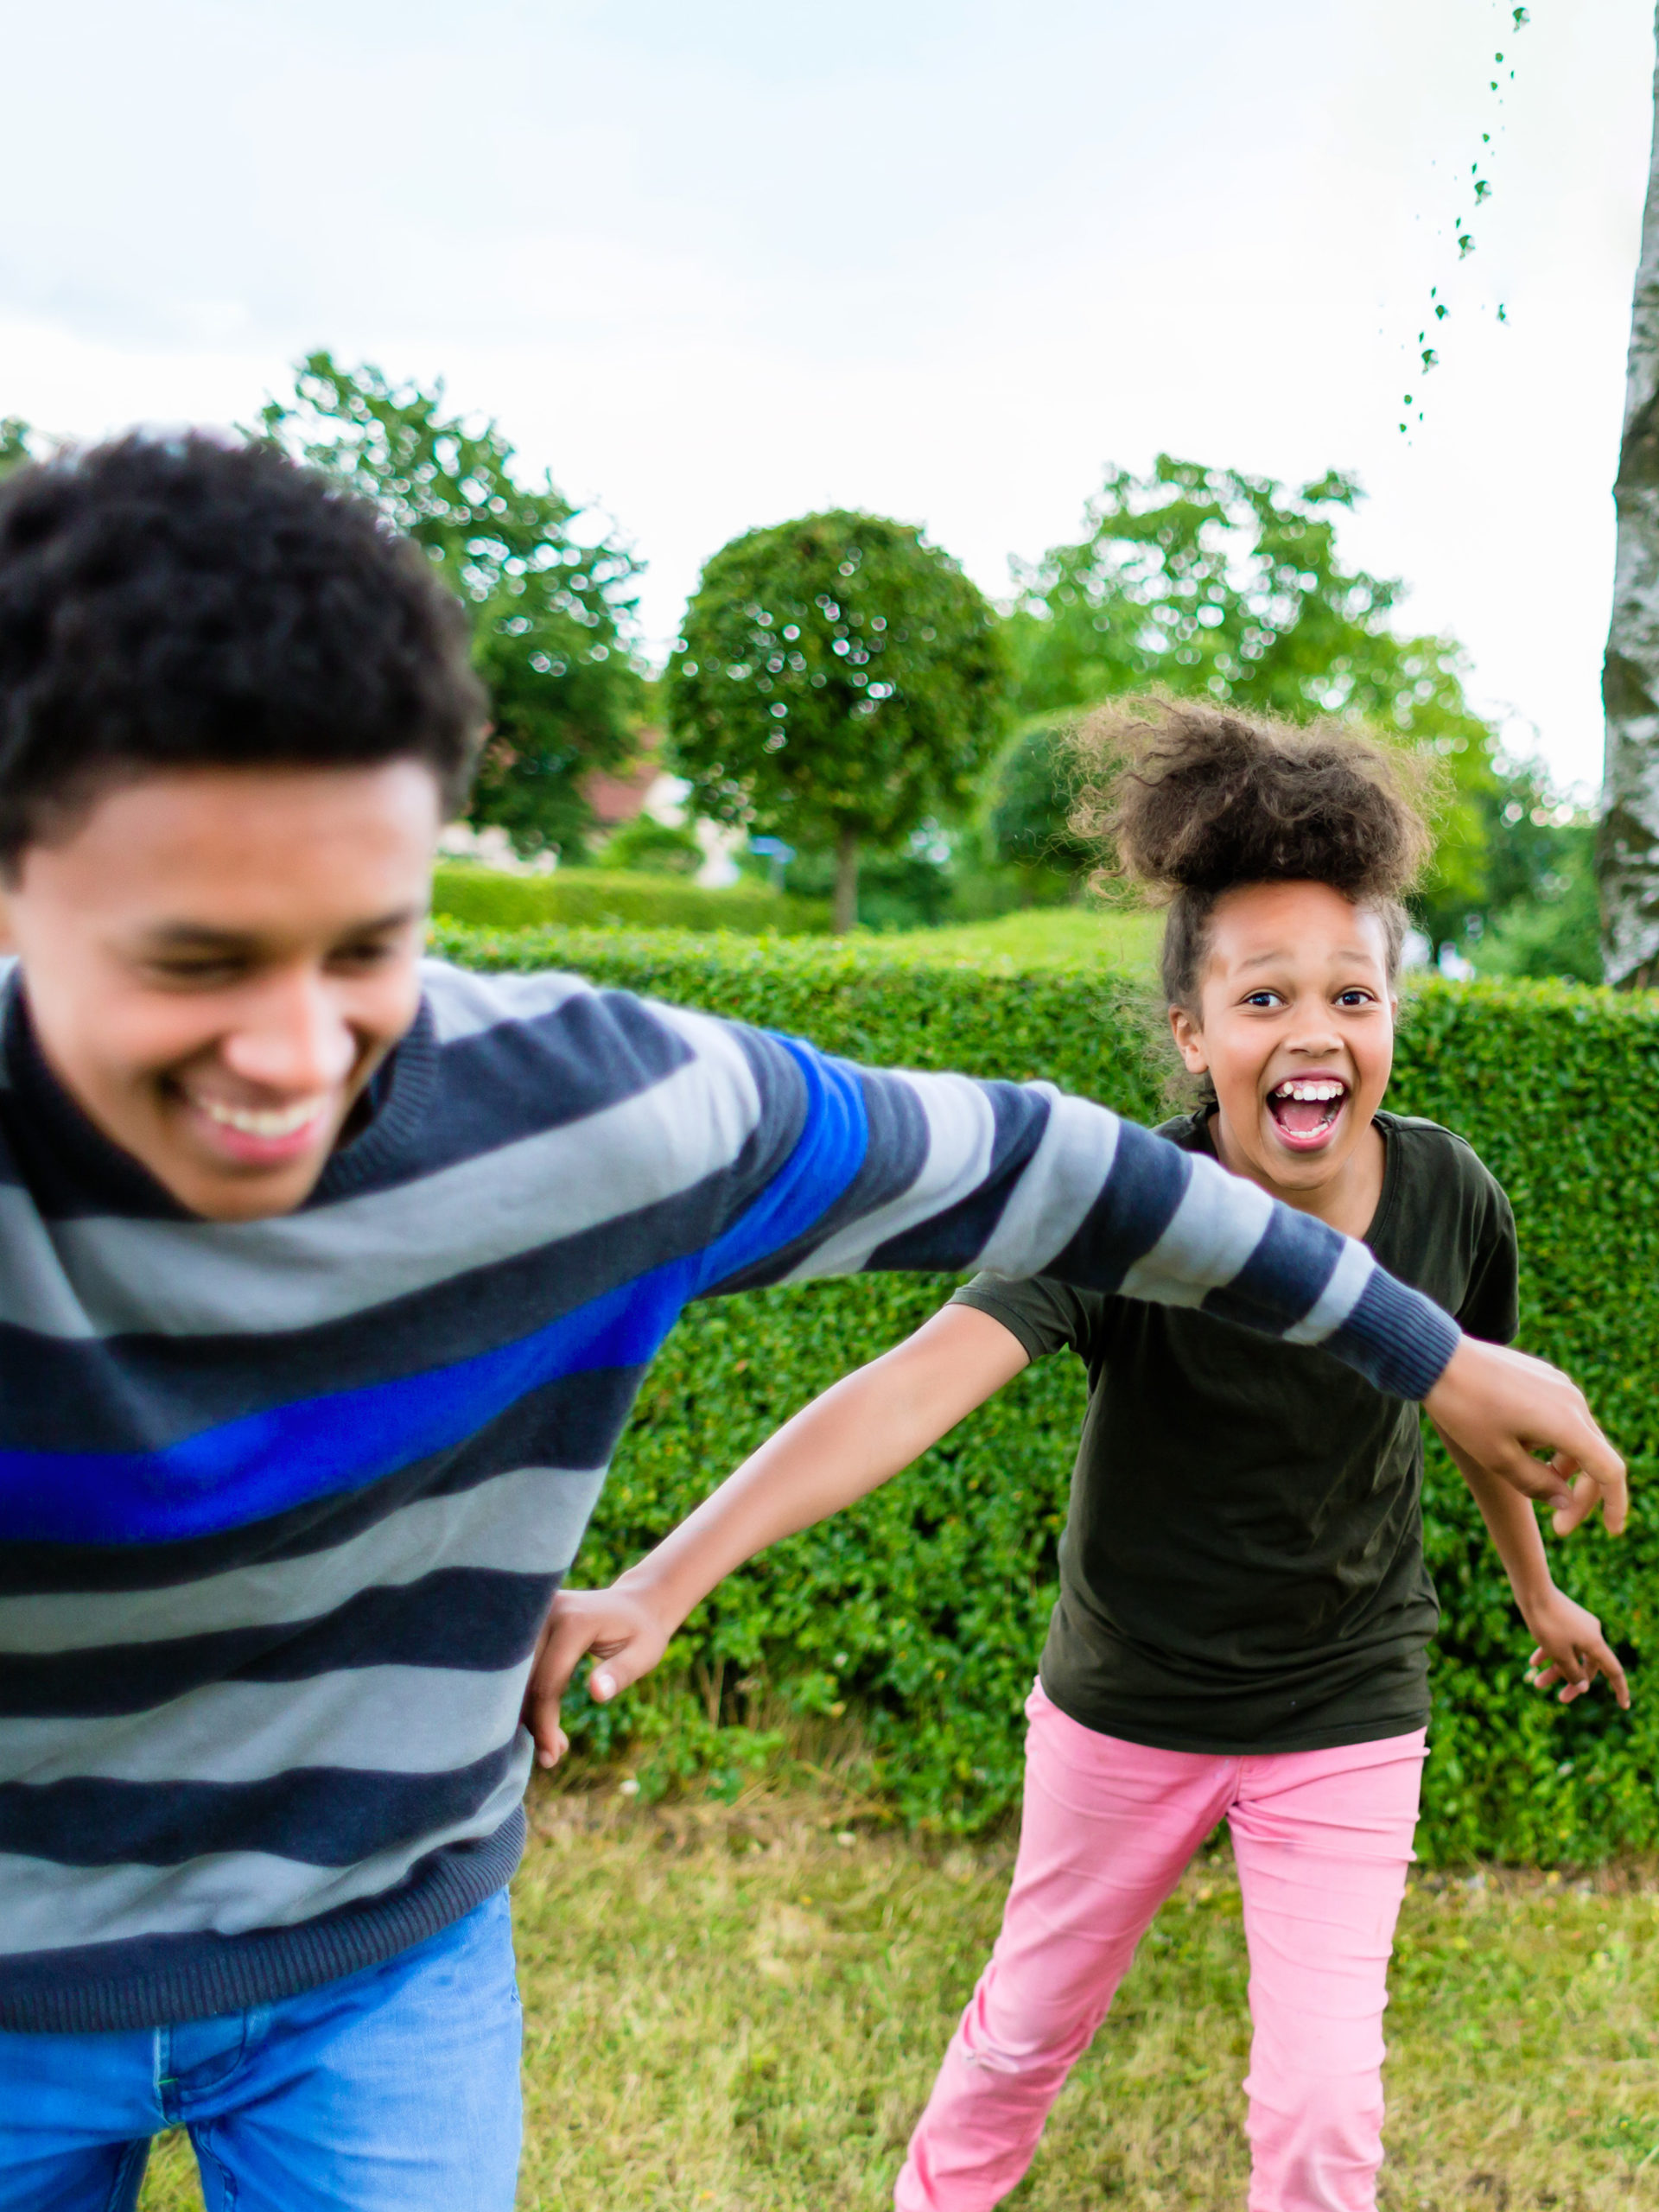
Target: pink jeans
1322	1838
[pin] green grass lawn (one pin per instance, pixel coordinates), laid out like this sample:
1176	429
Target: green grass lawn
742	2008
1036	937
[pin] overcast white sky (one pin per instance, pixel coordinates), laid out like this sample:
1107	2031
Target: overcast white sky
943	258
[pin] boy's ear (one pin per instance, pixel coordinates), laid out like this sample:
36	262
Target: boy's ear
7	942
1189	1040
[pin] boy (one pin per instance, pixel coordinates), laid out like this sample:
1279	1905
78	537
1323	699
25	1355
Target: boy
327	1283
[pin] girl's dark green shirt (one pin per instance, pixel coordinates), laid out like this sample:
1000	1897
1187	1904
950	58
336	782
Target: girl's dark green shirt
1242	1565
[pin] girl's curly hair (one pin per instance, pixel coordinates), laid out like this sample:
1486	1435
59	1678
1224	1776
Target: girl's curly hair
1195	801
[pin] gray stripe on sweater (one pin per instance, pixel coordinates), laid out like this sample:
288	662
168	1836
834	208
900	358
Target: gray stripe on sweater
1338	1299
960	1139
1063	1179
1219	1223
370	1719
298	1270
466	1005
46	1907
528	1522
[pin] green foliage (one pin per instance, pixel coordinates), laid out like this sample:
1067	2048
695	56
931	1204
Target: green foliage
16	443
1544	913
1032	796
896	890
1210	583
923	1611
595	898
838	680
1554	928
658	847
547	607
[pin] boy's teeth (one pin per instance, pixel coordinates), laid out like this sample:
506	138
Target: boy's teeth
1310	1090
251	1123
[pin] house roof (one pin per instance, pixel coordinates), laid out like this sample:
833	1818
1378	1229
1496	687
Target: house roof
616	799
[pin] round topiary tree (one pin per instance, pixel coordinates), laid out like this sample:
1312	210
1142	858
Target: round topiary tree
838	680
1033	795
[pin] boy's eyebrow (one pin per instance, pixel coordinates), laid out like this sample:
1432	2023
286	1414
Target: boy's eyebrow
203	937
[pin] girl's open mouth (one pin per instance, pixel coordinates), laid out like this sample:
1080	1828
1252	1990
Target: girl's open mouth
1306	1109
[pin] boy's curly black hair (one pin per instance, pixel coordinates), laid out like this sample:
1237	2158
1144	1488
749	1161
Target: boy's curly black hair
1197	801
173	602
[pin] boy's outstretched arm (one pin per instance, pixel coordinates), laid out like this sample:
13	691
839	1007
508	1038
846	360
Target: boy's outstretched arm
1571	1647
861	1432
886	1169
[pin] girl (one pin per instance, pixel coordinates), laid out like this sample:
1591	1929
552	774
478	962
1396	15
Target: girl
1244	1607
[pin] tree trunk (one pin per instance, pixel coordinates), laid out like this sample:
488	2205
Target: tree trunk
843	914
1629	840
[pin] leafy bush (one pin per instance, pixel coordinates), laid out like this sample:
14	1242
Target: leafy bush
1033	795
923	1611
1556	931
655	847
596	898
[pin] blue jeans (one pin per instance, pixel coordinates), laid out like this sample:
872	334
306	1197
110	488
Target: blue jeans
394	2090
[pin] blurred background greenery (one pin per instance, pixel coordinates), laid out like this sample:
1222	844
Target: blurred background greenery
846	734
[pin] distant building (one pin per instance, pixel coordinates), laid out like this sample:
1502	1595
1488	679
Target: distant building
616	800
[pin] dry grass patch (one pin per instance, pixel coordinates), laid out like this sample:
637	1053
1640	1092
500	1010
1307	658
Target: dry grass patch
741	2008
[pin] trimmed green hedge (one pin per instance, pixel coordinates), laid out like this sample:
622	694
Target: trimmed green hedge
923	1611
595	898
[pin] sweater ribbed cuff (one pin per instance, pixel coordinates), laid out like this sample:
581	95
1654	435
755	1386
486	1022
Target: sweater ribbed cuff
1396	1337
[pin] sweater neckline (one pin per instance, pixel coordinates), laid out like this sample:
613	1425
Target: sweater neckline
111	1177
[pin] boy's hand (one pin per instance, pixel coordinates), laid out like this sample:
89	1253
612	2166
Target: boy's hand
626	1637
1499	1407
1571	1651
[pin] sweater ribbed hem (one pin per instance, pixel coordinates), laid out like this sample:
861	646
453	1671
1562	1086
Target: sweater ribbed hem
156	1982
1397	1339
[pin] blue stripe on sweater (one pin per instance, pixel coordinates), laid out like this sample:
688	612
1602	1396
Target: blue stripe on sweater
248	1470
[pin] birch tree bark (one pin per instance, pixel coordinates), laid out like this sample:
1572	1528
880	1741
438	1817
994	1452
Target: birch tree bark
1628	844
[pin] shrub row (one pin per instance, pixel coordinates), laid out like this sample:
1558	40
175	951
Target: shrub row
592	898
922	1611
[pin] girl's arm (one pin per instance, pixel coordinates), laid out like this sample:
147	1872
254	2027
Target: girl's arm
1572	1649
862	1431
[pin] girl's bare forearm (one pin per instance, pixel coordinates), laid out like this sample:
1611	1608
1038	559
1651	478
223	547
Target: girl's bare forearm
857	1435
1513	1527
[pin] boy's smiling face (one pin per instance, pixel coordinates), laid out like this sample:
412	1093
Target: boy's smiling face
216	961
1295	1029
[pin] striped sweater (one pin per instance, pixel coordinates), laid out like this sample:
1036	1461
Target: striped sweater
283	1502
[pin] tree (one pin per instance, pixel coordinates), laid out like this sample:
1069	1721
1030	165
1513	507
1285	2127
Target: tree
1555	928
1033	795
547	611
838	679
1628	844
16	446
1206	581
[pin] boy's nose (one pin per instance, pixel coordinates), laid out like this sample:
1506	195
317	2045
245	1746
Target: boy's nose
296	1041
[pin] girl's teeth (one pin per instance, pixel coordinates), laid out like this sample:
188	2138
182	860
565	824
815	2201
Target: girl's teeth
250	1124
1315	1091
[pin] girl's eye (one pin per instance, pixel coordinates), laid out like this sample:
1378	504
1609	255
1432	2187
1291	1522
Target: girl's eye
1355	998
1263	998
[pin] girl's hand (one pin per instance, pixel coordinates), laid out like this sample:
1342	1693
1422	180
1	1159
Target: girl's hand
626	1637
1571	1651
